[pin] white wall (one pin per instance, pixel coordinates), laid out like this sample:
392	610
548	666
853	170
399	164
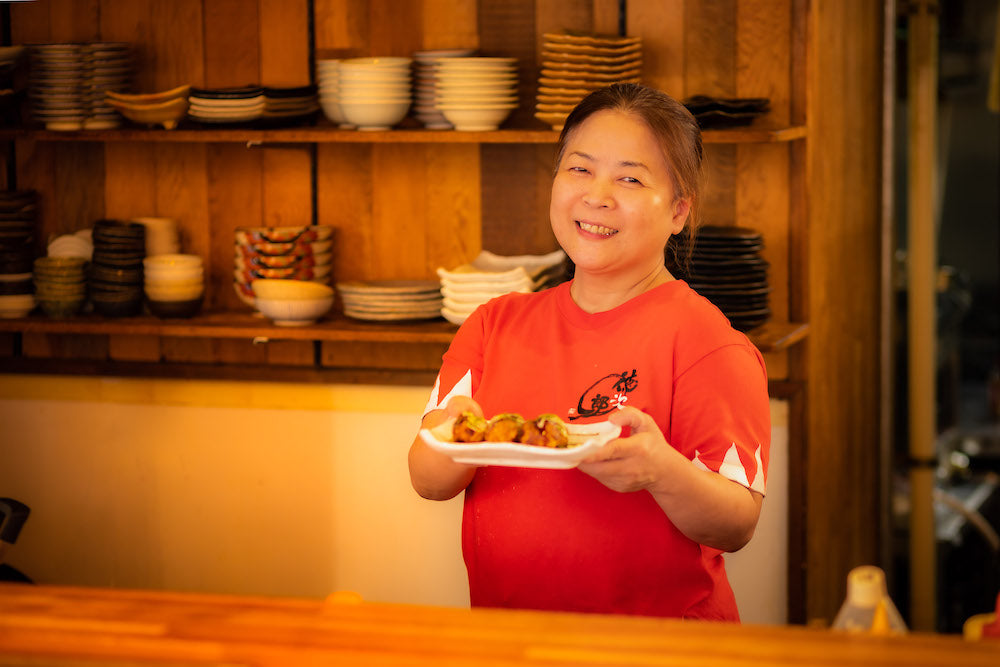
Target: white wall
261	489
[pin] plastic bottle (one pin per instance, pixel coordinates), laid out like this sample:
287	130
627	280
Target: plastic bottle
868	607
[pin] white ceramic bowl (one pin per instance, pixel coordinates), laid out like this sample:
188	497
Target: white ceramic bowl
332	110
476	100
16	305
476	118
290	290
294	312
172	261
378	62
375	116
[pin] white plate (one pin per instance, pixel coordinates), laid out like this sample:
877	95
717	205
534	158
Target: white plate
584	440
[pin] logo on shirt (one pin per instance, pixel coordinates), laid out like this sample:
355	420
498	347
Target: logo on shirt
607	394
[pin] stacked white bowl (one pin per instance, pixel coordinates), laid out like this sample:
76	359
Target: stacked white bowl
162	237
375	93
292	303
174	284
425	86
476	93
489	275
77	244
328	81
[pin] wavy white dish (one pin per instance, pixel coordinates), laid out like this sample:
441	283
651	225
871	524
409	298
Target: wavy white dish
584	440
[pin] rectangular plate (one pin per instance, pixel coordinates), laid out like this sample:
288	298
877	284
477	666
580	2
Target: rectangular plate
584	440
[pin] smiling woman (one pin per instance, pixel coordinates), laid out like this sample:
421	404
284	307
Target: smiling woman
624	343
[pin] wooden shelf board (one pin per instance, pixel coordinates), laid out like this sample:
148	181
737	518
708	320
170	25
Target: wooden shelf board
762	133
769	337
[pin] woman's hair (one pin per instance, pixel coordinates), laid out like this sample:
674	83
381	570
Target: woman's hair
680	141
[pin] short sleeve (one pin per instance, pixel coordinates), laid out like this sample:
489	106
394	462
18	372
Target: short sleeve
462	364
720	418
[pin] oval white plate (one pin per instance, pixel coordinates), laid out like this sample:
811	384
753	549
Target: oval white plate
584	440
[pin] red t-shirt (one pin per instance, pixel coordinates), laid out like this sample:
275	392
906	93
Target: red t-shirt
559	539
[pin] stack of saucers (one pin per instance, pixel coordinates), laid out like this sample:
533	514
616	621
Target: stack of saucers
174	284
68	83
289	106
108	68
574	65
115	278
714	112
57	85
425	86
489	275
60	285
727	269
224	106
476	93
391	300
295	253
17	250
328	79
375	93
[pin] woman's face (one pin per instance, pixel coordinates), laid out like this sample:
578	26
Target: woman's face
613	206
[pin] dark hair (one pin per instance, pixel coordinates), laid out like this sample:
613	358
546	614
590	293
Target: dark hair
679	137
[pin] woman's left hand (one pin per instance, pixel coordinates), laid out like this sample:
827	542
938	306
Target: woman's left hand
639	461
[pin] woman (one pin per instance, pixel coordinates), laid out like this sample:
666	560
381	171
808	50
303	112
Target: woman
640	526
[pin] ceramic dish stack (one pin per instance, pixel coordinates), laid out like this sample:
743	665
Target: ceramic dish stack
60	285
391	300
727	269
328	81
425	86
68	82
166	108
375	93
109	69
466	287
174	284
17	251
226	106
574	65
726	112
282	253
476	93
114	277
285	107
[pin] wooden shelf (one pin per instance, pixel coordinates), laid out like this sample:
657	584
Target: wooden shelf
769	337
320	134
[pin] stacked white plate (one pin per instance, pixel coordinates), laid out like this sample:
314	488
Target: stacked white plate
574	65
374	93
226	105
476	93
328	80
425	86
293	253
162	237
466	287
391	300
67	83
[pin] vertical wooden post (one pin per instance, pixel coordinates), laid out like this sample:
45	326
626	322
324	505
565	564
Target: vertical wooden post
922	269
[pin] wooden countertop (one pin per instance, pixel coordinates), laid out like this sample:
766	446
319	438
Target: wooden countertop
43	625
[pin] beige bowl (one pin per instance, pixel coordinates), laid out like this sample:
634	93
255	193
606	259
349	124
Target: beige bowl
294	312
171	293
274	288
149	98
375	115
166	113
472	118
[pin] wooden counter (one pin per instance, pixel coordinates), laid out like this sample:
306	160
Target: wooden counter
42	625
